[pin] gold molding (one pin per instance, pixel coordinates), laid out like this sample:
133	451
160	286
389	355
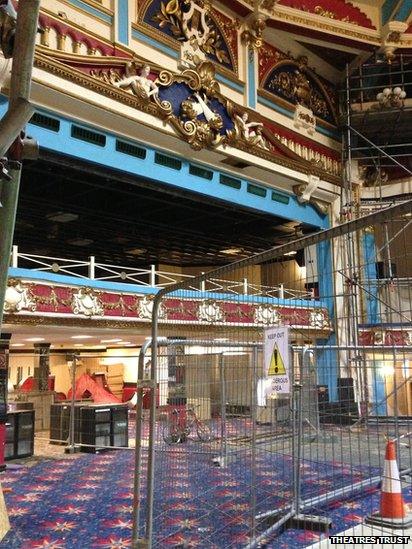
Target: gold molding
48	64
166	326
59	69
88	60
324	27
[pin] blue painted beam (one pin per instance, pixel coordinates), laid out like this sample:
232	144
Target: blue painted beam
327	359
403	12
141	37
61	141
251	79
396	10
239	87
123	21
379	399
369	272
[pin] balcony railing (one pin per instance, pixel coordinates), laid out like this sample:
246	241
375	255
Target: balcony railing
151	277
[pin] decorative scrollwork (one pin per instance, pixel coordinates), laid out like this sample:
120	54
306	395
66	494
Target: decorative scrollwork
318	319
18	298
210	311
197	119
297	88
137	81
86	302
319	10
268	316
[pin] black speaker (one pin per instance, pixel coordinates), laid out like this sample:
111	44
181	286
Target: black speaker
346	392
383	271
300	258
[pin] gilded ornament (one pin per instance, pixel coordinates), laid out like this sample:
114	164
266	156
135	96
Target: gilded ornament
318	319
253	35
191	24
249	132
197	122
202	79
394	36
297	88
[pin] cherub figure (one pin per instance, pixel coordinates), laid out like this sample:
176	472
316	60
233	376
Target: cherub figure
253	136
140	83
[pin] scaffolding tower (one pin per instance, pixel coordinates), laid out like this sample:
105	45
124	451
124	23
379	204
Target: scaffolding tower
377	121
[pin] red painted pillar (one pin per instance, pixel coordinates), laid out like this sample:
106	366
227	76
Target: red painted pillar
4	375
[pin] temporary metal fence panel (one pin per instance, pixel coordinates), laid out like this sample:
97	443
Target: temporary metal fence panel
247	448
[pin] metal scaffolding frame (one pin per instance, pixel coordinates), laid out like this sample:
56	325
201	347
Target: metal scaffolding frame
378	130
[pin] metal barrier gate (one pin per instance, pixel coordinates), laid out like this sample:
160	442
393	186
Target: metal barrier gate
229	461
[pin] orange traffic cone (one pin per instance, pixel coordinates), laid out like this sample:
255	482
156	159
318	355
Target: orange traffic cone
393	511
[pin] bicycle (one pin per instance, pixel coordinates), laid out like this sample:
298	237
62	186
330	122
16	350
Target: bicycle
181	422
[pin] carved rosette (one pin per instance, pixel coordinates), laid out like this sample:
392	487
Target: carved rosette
210	311
18	298
86	302
267	315
146	309
318	319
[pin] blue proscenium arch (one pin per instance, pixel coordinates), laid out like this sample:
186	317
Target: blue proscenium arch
60	140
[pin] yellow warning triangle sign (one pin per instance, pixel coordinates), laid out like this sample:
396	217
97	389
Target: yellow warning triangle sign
276	366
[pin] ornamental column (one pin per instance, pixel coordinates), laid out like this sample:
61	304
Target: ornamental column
42	372
4	371
252	39
122	20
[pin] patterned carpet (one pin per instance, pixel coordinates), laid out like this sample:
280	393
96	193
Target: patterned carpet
86	502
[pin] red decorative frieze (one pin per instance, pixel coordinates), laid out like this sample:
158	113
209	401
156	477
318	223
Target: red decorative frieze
332	9
31	298
384	337
299	138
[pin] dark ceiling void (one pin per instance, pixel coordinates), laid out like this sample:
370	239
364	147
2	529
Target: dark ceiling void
335	57
74	210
